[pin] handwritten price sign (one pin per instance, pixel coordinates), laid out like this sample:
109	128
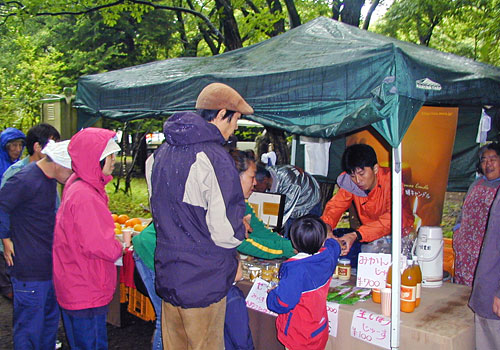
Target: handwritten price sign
332	310
256	298
372	270
371	328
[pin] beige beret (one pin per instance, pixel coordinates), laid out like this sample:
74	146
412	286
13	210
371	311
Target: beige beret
220	96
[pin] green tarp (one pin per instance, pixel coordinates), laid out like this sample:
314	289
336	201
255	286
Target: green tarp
321	79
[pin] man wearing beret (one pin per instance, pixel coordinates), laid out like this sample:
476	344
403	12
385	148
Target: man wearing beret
198	208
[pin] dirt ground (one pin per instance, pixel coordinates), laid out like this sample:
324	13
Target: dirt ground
134	334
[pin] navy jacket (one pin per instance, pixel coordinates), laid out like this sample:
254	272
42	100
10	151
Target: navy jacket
198	208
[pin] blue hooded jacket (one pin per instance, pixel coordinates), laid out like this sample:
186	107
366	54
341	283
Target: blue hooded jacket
198	208
7	135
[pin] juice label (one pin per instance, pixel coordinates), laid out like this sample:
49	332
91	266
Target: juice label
408	293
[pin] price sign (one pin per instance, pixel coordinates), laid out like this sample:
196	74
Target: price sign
371	328
256	298
332	310
372	270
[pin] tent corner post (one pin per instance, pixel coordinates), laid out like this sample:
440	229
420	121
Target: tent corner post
397	192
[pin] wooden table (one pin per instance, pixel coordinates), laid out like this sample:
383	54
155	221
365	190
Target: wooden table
443	321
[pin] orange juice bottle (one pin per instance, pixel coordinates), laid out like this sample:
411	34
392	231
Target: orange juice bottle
408	288
418	274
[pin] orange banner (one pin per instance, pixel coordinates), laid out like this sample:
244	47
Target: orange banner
427	148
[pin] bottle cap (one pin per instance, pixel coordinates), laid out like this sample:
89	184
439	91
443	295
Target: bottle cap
345	261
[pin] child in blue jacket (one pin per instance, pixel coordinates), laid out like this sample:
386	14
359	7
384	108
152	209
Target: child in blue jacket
300	298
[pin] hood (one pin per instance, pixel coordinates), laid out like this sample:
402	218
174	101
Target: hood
7	135
85	149
344	181
189	128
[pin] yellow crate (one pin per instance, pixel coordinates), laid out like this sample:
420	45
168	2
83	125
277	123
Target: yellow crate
123	293
140	305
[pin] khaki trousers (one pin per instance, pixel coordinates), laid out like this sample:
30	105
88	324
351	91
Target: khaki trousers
193	329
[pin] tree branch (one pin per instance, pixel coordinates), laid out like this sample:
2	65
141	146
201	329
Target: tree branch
20	7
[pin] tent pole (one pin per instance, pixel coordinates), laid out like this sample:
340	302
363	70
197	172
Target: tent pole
294	150
396	245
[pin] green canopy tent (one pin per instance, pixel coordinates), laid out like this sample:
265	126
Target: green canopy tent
321	79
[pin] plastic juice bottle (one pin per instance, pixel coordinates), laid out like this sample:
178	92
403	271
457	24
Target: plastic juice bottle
408	288
418	274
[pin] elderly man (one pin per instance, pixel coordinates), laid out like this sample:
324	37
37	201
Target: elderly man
368	186
11	147
27	214
198	208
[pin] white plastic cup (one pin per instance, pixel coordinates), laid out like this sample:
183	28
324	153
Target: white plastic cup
385	301
127	237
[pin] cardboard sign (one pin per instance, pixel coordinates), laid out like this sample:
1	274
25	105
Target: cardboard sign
372	270
332	310
256	298
371	328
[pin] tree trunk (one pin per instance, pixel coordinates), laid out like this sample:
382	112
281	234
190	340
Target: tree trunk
293	14
275	8
351	12
336	4
278	139
368	18
232	38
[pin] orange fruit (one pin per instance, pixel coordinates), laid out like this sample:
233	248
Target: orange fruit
118	231
132	222
117	225
115	217
138	227
122	218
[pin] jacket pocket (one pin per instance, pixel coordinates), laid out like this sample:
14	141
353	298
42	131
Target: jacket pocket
288	323
319	330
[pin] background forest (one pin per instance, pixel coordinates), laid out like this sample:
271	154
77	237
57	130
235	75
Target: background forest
47	45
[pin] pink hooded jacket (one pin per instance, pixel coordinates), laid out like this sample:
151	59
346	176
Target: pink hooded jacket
85	248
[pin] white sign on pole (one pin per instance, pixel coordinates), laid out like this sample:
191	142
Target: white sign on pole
372	270
256	298
371	328
332	310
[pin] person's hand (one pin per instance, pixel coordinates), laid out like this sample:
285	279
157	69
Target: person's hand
8	251
246	222
496	306
346	242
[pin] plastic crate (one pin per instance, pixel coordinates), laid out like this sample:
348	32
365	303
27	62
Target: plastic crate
123	293
140	305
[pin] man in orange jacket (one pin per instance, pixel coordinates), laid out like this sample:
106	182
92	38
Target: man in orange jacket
368	186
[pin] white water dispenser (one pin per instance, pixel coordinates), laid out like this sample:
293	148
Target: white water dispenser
429	251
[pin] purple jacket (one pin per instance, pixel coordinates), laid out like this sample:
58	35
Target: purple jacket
198	210
487	277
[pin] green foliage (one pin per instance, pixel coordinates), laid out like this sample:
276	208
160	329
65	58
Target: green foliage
132	204
247	133
463	27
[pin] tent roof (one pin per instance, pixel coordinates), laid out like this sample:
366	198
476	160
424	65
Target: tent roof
323	78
